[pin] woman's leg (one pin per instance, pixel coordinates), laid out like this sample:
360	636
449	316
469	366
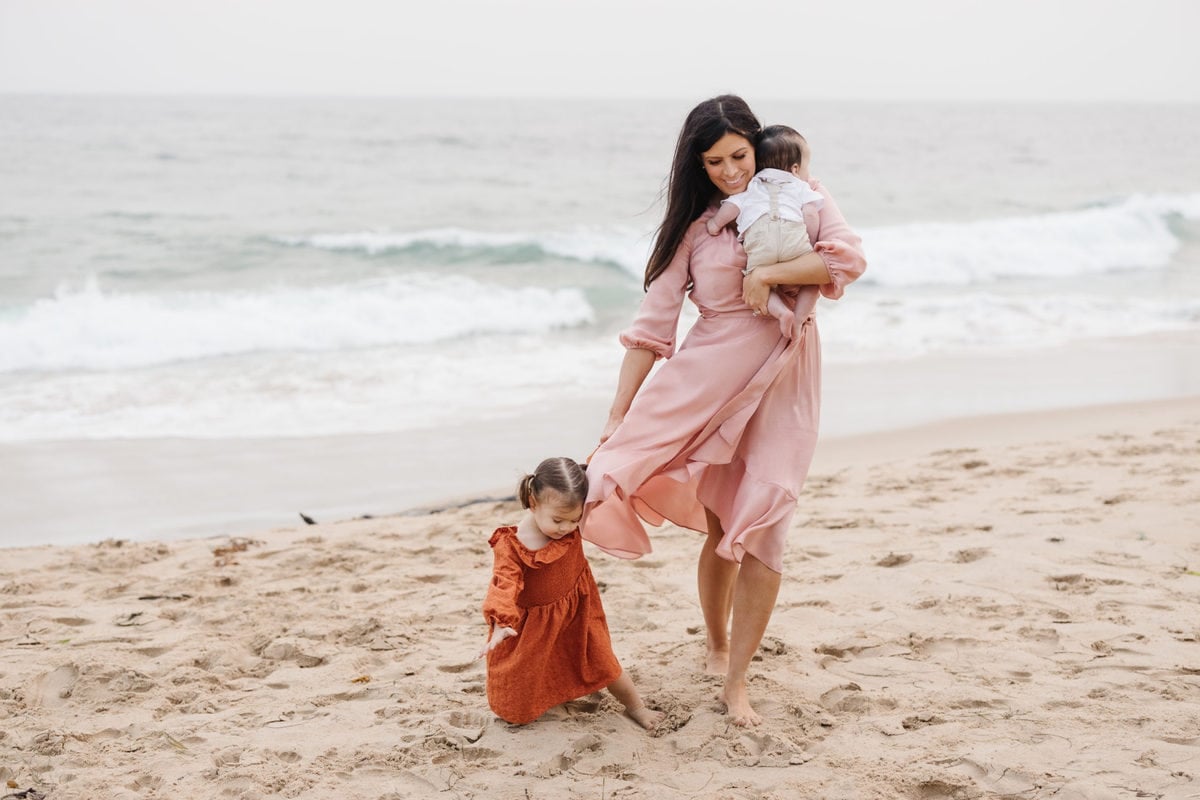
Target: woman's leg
754	596
715	578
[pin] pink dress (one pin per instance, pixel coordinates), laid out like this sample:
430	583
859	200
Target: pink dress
729	422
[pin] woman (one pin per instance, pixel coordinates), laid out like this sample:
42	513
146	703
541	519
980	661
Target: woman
720	440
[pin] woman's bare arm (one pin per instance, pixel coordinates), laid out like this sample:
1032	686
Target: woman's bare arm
808	269
634	369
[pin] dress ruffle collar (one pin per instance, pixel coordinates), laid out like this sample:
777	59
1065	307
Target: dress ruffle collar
551	552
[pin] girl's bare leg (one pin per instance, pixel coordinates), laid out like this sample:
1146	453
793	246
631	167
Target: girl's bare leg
753	601
715	579
627	694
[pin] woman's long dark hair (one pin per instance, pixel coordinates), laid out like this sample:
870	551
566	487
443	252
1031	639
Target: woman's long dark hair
689	190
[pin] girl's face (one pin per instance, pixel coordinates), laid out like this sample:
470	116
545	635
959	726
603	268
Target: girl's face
729	163
555	517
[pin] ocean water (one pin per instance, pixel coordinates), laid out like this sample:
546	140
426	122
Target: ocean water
206	268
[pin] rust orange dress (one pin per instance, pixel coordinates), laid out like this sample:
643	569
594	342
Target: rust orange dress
562	649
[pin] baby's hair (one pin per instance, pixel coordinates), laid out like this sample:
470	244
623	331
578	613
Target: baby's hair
780	147
561	475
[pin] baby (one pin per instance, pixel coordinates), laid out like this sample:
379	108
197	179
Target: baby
770	212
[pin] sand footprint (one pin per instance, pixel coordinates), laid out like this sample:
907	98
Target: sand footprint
917	721
847	698
286	649
944	789
144	783
894	560
1076	583
467	725
675	714
929	647
755	749
54	688
570	756
859	645
448	749
970	554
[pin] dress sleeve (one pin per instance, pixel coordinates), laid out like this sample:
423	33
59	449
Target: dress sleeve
500	606
657	320
839	247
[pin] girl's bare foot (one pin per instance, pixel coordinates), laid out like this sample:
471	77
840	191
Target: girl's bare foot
737	705
648	718
622	689
717	661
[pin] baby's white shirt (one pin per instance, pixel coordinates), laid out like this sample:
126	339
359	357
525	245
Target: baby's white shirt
794	194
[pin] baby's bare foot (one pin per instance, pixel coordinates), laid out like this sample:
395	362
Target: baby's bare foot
648	718
737	706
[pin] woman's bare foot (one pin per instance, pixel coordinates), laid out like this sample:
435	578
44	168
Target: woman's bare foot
717	661
737	705
648	718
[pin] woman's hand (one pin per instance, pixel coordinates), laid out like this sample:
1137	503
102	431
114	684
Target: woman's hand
498	636
610	428
755	291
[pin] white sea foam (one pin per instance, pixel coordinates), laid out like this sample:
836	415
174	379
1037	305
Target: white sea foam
1128	235
876	326
93	329
311	394
1131	235
399	388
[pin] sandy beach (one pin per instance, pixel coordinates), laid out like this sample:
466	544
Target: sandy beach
992	607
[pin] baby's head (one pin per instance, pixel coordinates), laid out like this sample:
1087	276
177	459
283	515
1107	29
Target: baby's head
555	493
781	147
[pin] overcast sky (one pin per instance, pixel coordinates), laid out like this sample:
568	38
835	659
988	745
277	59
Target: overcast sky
1140	50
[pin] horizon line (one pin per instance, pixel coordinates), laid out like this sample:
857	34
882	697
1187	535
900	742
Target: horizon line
284	95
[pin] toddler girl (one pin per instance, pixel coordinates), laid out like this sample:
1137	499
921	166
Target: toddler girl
548	637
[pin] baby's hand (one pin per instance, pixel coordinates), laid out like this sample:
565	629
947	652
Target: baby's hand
713	227
498	636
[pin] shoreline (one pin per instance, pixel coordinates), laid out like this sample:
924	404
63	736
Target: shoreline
833	453
881	446
137	489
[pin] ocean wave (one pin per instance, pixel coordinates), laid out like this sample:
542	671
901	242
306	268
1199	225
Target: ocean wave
90	329
488	378
1132	234
623	248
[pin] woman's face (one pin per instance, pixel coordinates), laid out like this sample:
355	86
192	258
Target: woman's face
729	163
